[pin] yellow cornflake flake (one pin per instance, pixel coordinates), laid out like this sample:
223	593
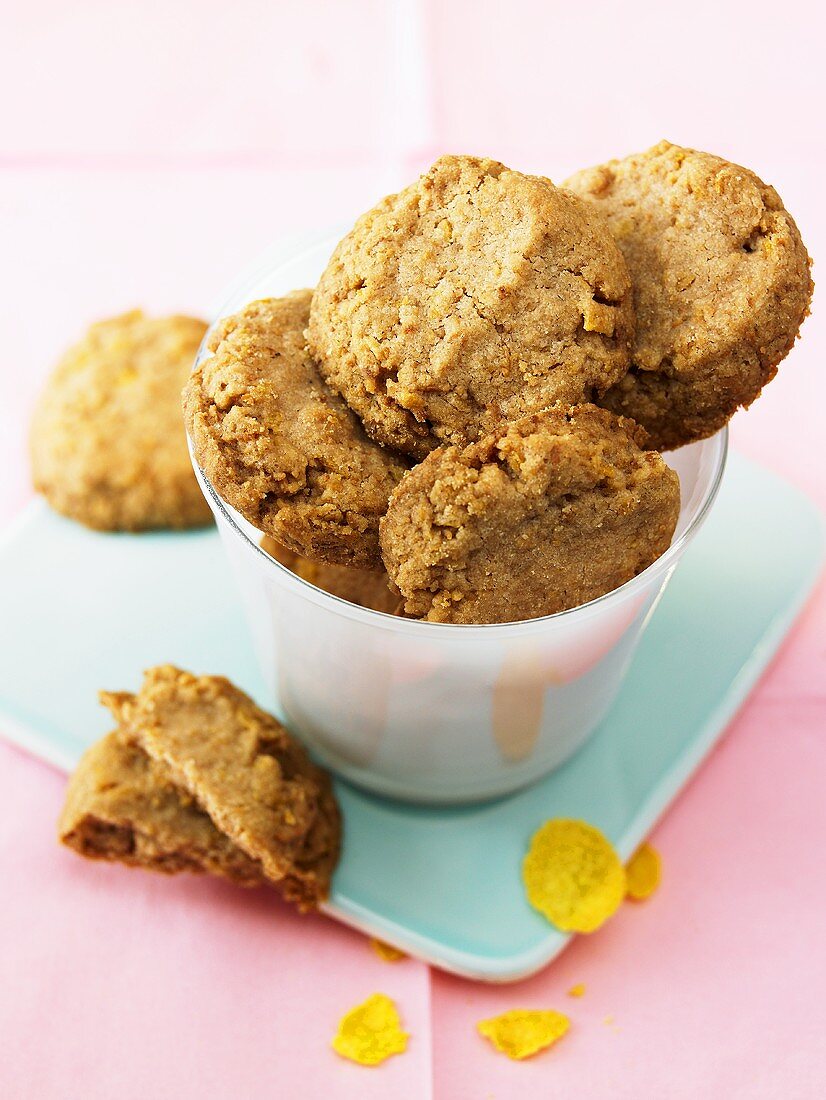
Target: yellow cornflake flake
370	1032
127	375
598	317
577	990
386	951
643	872
522	1032
572	875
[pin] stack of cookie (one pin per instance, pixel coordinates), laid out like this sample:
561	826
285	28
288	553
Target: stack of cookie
469	409
197	778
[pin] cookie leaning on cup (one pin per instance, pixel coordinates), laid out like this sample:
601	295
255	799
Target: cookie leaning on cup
721	280
107	440
280	446
476	295
545	514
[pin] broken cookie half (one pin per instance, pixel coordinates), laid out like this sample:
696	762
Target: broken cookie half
122	806
198	778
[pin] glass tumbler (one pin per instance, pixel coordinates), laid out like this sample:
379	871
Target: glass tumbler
433	712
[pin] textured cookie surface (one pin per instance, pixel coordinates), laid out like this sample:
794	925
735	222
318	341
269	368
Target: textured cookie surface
279	446
365	587
474	296
721	285
121	805
107	441
244	769
550	512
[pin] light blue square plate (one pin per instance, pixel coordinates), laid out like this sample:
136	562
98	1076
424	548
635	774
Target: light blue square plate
81	611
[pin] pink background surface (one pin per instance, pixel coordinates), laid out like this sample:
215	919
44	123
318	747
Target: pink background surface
147	154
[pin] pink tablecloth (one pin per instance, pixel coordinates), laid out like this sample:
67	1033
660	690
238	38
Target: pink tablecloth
147	153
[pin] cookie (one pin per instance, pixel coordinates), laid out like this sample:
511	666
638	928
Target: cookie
244	769
279	446
548	513
721	280
366	587
108	447
122	806
474	296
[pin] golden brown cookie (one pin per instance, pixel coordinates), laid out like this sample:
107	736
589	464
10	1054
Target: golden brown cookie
548	513
721	285
476	295
279	446
244	769
121	805
366	587
108	446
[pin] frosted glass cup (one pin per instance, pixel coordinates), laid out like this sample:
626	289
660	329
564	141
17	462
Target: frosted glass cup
432	712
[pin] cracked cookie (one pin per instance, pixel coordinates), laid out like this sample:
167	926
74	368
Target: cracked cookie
547	513
122	806
366	587
721	281
107	441
474	296
280	446
242	767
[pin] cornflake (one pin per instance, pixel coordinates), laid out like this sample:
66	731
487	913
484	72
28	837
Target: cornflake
572	875
386	951
643	872
371	1032
524	1031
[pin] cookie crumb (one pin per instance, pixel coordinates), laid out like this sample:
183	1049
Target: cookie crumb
523	1032
371	1032
386	951
573	875
643	872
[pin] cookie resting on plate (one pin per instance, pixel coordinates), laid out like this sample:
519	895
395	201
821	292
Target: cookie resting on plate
721	280
474	296
547	513
245	771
